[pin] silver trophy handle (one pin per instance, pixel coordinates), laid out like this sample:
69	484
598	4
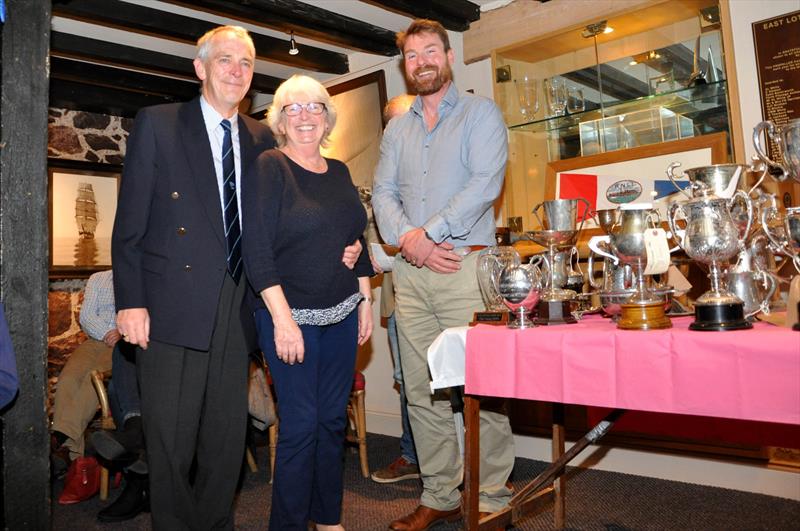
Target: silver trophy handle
746	198
594	245
780	246
590	266
535	212
574	254
769	130
771	284
677	234
587	212
672	178
754	168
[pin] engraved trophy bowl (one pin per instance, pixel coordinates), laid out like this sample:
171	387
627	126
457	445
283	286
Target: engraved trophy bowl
787	138
519	286
712	237
722	179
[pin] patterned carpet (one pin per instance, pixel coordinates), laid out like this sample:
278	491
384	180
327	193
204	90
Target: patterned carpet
596	500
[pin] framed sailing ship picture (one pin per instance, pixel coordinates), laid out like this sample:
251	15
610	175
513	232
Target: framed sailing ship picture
83	203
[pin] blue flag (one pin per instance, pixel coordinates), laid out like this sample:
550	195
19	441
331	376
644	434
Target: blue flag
2	11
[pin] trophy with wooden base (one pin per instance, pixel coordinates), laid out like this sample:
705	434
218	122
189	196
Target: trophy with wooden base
637	240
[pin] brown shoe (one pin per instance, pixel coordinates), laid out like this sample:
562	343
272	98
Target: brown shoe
398	470
424	518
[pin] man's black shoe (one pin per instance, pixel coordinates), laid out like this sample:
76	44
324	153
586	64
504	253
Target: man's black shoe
133	500
114	445
107	445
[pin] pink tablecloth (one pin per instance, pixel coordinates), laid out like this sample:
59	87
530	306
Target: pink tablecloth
748	374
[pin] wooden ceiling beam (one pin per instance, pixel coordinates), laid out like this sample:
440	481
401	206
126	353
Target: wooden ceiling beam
74	46
455	15
304	20
107	76
148	21
76	96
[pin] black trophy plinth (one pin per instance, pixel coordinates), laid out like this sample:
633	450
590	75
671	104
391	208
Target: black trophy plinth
554	313
796	326
716	317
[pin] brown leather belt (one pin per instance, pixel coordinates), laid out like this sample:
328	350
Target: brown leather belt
476	248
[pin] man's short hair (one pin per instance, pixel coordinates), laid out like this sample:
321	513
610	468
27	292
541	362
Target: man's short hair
423	25
204	42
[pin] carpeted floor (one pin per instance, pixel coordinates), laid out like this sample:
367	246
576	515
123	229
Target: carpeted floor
596	500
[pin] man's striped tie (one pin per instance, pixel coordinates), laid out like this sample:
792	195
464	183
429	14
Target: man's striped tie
233	233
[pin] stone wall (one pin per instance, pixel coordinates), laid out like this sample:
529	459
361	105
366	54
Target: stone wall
64	330
85	136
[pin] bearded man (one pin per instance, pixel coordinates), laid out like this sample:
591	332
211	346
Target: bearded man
441	168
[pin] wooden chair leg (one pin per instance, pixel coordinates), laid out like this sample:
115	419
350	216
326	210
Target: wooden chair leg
273	445
251	461
107	422
360	414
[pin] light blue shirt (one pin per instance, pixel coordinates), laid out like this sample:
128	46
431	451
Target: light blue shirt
216	132
98	314
444	180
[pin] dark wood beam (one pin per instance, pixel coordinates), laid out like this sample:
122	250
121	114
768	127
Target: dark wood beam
75	46
304	20
616	84
76	96
130	80
24	468
454	15
148	21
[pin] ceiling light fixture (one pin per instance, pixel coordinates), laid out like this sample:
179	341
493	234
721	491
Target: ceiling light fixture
593	30
292	45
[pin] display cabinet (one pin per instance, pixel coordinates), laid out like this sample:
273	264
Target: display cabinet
645	78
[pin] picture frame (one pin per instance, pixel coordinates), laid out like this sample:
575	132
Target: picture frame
356	139
82	206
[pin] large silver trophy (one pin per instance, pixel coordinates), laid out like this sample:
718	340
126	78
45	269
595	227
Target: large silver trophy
559	231
787	138
642	309
712	237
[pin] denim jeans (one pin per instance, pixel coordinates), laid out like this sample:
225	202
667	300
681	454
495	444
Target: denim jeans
407	450
123	390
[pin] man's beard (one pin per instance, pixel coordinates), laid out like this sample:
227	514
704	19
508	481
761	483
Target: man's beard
431	85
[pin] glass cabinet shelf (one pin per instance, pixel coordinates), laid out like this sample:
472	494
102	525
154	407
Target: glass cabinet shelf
663	117
694	103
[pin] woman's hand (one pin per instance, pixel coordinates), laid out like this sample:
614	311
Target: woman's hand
364	311
289	344
364	321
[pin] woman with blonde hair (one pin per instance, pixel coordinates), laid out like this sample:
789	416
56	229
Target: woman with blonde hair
299	210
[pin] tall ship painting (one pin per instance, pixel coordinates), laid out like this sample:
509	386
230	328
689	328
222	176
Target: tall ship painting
86	211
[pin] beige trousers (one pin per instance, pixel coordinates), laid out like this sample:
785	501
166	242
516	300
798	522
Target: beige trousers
425	304
75	403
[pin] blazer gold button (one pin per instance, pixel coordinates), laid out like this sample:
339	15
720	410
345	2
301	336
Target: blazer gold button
181	231
187	268
174	195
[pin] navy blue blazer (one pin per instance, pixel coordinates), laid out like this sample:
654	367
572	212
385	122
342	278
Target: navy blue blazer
168	246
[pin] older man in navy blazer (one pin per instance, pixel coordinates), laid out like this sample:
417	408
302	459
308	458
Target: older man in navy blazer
179	287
